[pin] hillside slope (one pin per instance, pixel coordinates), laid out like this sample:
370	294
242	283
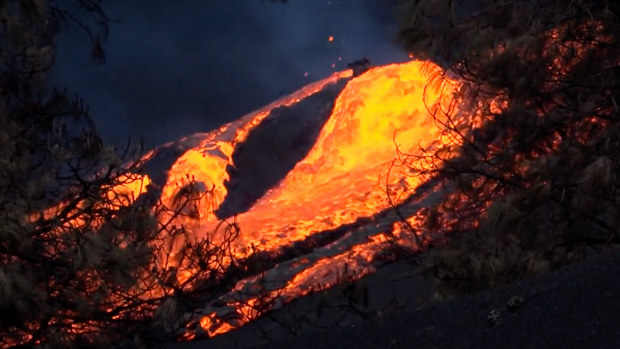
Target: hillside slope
576	307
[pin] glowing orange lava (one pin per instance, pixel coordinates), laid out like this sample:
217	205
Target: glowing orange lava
342	178
339	180
206	163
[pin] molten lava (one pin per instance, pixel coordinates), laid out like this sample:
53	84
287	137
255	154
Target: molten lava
342	179
206	161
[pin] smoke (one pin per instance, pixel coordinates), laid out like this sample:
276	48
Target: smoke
176	68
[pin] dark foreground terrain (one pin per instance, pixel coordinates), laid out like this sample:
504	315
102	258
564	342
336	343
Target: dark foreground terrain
575	307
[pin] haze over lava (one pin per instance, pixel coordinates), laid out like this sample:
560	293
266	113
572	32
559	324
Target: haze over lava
321	167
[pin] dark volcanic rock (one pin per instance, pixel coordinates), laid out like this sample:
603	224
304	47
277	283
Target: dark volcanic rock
274	147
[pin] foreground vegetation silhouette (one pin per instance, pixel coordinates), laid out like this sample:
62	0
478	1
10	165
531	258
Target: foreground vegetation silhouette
89	258
536	162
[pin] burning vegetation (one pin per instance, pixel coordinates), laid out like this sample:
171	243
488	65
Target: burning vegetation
499	165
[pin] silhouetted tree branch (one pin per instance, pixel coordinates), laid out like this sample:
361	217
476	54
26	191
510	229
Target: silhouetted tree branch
533	149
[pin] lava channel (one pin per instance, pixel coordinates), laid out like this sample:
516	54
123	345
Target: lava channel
321	202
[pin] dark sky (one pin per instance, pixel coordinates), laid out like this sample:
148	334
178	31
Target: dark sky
179	67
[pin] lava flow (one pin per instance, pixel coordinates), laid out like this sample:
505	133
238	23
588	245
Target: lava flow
342	179
205	156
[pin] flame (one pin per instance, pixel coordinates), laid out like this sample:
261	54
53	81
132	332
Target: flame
330	39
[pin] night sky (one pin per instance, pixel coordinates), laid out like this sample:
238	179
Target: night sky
174	68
